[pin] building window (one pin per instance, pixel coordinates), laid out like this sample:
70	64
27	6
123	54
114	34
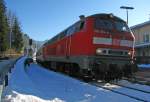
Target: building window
146	38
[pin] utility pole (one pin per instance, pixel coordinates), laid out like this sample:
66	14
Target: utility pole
10	38
127	8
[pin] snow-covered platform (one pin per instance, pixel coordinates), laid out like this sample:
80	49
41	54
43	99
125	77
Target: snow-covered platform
36	84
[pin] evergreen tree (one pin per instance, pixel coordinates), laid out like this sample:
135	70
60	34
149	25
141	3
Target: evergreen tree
3	27
17	40
10	20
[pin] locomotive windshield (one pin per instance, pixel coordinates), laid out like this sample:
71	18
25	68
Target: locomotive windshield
108	24
103	24
121	26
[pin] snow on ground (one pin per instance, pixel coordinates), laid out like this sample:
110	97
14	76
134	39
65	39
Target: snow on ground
35	84
144	66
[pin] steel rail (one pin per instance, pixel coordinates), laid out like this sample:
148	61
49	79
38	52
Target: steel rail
136	98
132	88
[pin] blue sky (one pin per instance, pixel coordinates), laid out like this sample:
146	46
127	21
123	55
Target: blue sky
42	19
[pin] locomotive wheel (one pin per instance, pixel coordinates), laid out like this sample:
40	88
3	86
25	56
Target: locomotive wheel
127	71
86	75
66	69
60	66
74	70
53	66
99	71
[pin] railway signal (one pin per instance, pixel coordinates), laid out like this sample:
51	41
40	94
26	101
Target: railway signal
30	42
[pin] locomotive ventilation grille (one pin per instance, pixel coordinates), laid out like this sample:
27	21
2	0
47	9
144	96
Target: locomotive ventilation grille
112	52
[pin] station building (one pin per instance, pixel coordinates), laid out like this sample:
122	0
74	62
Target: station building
142	41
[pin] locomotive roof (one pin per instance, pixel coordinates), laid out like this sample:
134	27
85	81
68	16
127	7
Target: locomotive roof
107	16
102	15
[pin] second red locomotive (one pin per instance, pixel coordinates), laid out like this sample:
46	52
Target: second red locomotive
99	46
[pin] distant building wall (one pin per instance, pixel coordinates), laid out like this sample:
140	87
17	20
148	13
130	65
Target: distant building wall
141	33
142	40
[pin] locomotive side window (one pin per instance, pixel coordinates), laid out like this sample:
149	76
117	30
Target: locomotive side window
53	39
71	30
62	34
103	24
121	26
75	28
80	26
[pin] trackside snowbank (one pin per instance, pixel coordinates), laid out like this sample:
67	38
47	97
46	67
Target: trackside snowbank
36	84
144	66
21	88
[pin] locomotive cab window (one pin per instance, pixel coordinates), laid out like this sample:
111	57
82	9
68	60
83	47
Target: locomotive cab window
103	24
121	26
81	25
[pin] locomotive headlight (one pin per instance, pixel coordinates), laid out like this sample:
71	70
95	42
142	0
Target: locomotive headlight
99	51
129	53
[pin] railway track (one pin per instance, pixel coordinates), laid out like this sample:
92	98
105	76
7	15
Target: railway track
144	91
137	94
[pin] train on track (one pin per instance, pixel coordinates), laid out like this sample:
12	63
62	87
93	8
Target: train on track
99	46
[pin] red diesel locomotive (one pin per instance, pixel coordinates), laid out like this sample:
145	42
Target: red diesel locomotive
99	46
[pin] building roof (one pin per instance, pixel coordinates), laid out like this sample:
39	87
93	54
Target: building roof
140	25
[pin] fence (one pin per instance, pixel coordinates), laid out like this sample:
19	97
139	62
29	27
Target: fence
5	69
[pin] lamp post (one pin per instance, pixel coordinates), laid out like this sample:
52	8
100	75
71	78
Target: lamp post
127	8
